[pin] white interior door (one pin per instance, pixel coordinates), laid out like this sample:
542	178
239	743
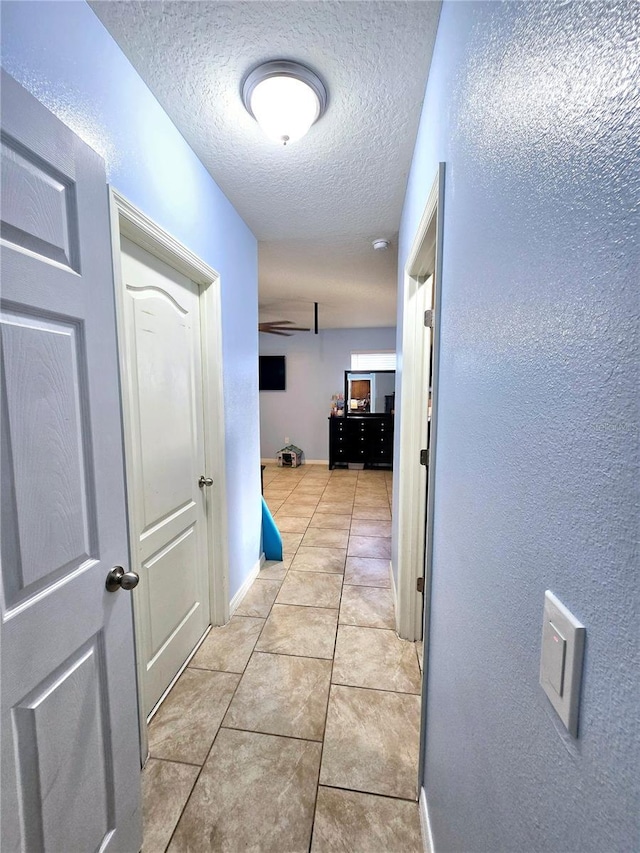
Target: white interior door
70	777
167	458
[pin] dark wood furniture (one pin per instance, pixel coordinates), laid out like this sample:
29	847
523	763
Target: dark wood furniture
367	439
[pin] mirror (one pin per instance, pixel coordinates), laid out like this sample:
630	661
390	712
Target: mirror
369	392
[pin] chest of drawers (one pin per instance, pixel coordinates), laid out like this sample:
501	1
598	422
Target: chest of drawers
367	439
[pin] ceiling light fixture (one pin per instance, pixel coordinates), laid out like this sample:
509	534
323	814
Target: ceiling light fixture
285	98
380	245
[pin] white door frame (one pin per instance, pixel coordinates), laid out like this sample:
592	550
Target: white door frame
414	535
127	221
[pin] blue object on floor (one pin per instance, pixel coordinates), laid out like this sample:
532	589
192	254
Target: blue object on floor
271	539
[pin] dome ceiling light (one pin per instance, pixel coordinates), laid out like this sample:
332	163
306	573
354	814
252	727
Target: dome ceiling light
285	98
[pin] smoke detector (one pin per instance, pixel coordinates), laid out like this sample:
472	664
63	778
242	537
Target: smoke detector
380	245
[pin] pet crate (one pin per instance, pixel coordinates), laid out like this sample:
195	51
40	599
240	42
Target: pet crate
289	457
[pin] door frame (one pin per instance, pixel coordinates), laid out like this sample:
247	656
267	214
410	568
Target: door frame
415	494
127	221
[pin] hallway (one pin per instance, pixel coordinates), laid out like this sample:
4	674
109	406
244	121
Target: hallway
296	725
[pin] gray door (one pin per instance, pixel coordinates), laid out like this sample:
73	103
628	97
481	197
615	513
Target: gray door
70	753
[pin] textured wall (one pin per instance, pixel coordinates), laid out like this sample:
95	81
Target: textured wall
315	371
535	109
65	57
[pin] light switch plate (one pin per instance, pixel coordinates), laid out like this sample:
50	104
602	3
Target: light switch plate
561	660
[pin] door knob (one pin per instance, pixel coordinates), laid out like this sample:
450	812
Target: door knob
205	481
119	579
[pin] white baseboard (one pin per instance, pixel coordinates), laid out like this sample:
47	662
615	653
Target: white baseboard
240	594
273	462
425	825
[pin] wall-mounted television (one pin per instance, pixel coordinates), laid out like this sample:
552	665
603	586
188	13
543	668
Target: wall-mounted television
272	373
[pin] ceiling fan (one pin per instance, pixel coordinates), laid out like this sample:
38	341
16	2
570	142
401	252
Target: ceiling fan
280	327
286	327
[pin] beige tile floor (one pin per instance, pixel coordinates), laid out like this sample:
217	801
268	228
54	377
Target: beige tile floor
295	726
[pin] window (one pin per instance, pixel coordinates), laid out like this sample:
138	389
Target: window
385	360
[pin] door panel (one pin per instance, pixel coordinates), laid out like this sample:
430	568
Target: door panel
46	436
165	401
40	212
164	398
56	766
68	675
171	603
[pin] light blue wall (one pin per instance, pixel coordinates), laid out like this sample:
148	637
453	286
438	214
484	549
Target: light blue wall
535	109
61	52
315	367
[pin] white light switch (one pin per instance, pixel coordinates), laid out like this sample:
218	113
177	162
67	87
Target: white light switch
561	660
554	648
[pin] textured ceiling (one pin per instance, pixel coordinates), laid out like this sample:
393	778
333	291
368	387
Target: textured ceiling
316	205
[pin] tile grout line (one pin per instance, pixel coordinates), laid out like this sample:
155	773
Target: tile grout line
370	794
326	713
375	689
269	734
173	761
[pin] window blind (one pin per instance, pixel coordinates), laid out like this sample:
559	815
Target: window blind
385	360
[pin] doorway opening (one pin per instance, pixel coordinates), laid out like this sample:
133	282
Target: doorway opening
418	418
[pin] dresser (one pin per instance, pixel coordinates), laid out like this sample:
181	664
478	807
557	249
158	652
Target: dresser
367	439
